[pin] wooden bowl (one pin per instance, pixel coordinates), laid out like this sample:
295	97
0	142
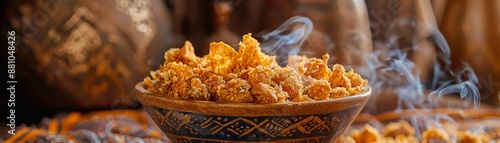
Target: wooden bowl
196	121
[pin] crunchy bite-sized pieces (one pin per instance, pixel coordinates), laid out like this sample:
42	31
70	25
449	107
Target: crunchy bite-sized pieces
318	90
317	68
435	135
402	127
243	74
306	80
185	55
355	90
290	80
356	79
357	82
231	76
198	90
338	77
342	81
301	69
403	132
468	137
149	83
264	88
171	80
172	55
280	94
250	54
213	82
367	134
221	58
261	74
180	90
264	93
339	92
249	75
235	91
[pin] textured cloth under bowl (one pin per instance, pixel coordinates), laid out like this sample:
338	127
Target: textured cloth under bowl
113	126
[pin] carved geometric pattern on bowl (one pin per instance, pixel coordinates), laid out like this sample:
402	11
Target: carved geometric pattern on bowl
243	126
174	119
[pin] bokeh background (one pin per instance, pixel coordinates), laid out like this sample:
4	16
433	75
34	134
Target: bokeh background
76	55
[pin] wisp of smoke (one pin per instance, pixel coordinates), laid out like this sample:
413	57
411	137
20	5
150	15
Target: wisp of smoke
462	82
392	68
287	39
389	64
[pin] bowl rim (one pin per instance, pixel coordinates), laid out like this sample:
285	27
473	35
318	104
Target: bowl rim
147	98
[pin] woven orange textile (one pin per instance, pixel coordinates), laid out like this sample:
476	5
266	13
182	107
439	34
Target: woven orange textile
117	126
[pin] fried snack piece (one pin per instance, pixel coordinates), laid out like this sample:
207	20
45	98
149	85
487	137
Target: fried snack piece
282	95
367	134
468	137
234	91
290	80
230	76
355	90
338	77
198	90
213	82
339	92
177	80
435	135
264	88
356	79
150	83
249	75
171	80
186	86
220	59
265	93
184	55
261	74
357	82
402	127
316	68
318	89
250	54
342	81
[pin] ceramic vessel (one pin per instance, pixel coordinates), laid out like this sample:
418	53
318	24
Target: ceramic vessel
206	121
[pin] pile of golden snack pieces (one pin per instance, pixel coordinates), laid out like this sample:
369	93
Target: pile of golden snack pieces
403	132
249	76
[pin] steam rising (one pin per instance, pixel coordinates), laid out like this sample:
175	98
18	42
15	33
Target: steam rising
463	82
288	38
389	65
